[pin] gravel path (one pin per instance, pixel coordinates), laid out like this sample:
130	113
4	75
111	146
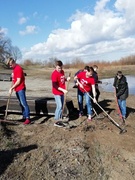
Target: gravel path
36	87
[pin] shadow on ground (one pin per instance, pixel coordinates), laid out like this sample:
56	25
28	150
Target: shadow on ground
7	157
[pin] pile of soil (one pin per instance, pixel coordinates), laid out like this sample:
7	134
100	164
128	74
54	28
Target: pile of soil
82	150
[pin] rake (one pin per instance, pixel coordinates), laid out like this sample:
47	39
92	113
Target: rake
110	118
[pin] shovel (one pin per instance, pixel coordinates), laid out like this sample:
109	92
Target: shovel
6	111
5	117
65	97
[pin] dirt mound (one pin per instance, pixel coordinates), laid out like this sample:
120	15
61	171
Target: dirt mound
92	150
81	150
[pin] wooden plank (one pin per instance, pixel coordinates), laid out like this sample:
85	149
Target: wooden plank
5	77
37	105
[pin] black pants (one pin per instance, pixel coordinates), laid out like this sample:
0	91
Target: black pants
97	94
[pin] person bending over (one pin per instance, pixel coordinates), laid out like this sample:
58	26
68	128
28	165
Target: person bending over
86	85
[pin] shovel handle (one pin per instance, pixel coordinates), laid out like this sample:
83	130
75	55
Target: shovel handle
7	106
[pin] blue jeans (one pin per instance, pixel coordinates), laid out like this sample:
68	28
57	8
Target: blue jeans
122	105
59	99
88	102
23	103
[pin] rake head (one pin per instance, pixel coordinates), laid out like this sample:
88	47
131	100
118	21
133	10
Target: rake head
122	131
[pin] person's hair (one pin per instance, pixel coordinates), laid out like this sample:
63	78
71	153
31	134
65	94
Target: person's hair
119	73
86	68
58	63
10	60
95	66
90	69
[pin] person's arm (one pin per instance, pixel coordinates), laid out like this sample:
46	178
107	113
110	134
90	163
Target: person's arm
94	93
63	90
55	85
68	78
115	80
14	85
78	82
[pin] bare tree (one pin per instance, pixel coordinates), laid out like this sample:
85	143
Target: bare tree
5	46
15	53
7	50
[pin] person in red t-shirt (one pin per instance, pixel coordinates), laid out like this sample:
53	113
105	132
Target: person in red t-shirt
18	85
86	85
59	88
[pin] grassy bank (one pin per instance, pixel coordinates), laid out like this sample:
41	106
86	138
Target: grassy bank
104	71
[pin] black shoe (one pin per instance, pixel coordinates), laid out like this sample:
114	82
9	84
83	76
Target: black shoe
75	86
59	124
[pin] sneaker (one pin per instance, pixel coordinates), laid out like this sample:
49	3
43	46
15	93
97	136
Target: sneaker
27	121
59	124
89	119
65	119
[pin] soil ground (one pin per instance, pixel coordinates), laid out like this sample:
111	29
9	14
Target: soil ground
85	151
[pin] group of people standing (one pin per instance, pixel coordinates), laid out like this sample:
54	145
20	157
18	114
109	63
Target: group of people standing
86	81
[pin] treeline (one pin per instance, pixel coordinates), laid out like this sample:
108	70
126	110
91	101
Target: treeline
78	63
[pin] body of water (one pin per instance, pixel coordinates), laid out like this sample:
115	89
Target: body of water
107	84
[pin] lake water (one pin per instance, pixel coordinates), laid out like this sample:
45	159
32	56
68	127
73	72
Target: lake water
109	87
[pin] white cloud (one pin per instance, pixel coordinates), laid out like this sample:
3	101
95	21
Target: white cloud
22	20
29	30
108	33
4	31
100	5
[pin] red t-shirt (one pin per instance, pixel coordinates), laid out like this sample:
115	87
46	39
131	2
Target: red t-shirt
58	80
18	73
87	82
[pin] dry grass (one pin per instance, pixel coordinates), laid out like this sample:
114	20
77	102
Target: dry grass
105	69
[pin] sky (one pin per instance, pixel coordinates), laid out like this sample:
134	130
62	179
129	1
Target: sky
89	30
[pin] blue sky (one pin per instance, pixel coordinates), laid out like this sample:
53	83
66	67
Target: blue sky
85	29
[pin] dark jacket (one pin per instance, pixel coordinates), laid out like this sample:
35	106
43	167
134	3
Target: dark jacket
121	86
